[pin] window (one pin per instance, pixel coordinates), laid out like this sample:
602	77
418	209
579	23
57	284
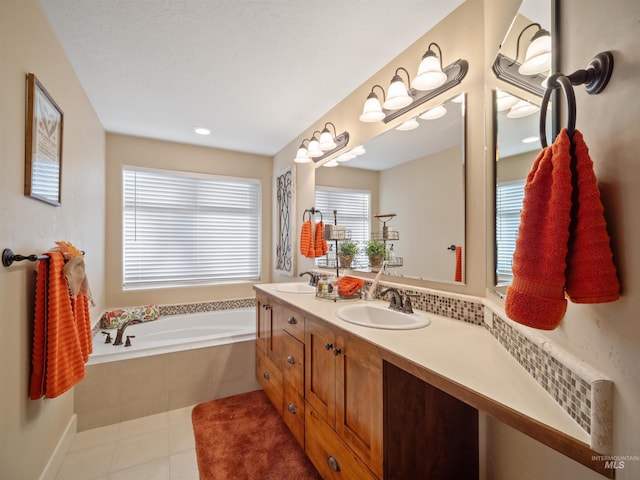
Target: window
509	197
189	229
353	209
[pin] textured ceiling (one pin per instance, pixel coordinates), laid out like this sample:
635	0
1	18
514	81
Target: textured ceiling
255	72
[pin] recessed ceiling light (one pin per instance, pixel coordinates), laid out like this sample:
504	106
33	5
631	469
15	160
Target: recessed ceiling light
202	131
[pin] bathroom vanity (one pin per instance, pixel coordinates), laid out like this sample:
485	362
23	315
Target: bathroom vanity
371	403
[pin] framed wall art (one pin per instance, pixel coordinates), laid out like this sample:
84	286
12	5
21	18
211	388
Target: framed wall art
43	145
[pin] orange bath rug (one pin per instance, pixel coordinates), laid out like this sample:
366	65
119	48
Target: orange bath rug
244	436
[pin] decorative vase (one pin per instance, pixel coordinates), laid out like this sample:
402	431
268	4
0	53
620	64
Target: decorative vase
375	261
345	260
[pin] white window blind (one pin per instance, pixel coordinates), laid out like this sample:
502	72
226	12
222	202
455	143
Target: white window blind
509	197
189	229
354	213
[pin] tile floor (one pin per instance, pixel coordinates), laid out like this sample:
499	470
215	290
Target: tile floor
157	447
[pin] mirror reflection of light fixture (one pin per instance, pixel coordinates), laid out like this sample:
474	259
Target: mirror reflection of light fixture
399	100
327	141
398	96
372	111
331	163
430	74
522	109
434	113
410	124
537	59
505	100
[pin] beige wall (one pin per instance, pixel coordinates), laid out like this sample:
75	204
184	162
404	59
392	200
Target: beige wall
30	430
125	150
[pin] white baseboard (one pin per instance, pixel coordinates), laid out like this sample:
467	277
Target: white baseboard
53	465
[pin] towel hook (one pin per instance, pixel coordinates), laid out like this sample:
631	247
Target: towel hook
594	78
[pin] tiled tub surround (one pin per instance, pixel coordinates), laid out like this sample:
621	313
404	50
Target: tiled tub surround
123	390
584	393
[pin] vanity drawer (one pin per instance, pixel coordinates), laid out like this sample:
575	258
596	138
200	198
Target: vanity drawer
293	412
293	362
292	322
270	378
330	455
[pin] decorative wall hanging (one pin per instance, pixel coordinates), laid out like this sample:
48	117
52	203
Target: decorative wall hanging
43	144
284	248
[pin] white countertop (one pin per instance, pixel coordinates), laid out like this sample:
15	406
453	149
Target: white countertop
463	353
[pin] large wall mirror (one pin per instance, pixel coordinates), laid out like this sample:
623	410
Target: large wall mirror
419	175
516	107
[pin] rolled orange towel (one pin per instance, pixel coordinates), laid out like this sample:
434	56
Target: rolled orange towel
320	243
591	274
536	296
349	286
306	243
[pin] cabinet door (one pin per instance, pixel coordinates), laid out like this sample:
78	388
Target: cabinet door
293	378
320	370
359	418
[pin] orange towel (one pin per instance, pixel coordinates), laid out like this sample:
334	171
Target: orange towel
58	358
591	274
349	286
536	295
458	276
320	243
306	239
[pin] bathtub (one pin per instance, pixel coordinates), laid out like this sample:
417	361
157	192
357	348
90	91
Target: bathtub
176	333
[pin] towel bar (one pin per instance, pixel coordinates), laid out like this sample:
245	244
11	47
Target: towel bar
8	257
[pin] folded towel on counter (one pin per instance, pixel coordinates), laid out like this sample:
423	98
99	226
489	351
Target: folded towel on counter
562	240
116	318
591	274
349	286
320	242
58	355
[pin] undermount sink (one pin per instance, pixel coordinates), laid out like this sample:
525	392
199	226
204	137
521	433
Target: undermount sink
379	316
294	287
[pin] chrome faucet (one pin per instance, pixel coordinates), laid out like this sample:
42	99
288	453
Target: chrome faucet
121	329
313	278
397	303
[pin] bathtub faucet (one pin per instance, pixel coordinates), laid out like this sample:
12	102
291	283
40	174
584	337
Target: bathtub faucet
313	278
121	330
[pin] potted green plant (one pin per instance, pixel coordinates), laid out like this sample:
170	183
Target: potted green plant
346	251
376	251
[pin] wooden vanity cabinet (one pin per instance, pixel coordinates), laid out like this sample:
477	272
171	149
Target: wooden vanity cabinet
343	385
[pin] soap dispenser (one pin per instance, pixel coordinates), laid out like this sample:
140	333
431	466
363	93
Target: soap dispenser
391	254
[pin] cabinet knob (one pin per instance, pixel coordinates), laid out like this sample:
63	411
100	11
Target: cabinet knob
266	375
337	351
291	321
266	306
291	360
328	346
333	464
291	408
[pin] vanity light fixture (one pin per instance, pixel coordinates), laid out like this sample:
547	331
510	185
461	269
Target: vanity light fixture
434	113
316	150
398	96
430	74
428	84
331	163
505	100
537	58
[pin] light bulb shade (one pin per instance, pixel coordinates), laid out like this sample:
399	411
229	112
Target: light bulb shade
326	141
314	148
538	56
522	109
301	156
359	150
331	163
345	157
397	96
430	74
372	111
411	124
505	100
434	113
